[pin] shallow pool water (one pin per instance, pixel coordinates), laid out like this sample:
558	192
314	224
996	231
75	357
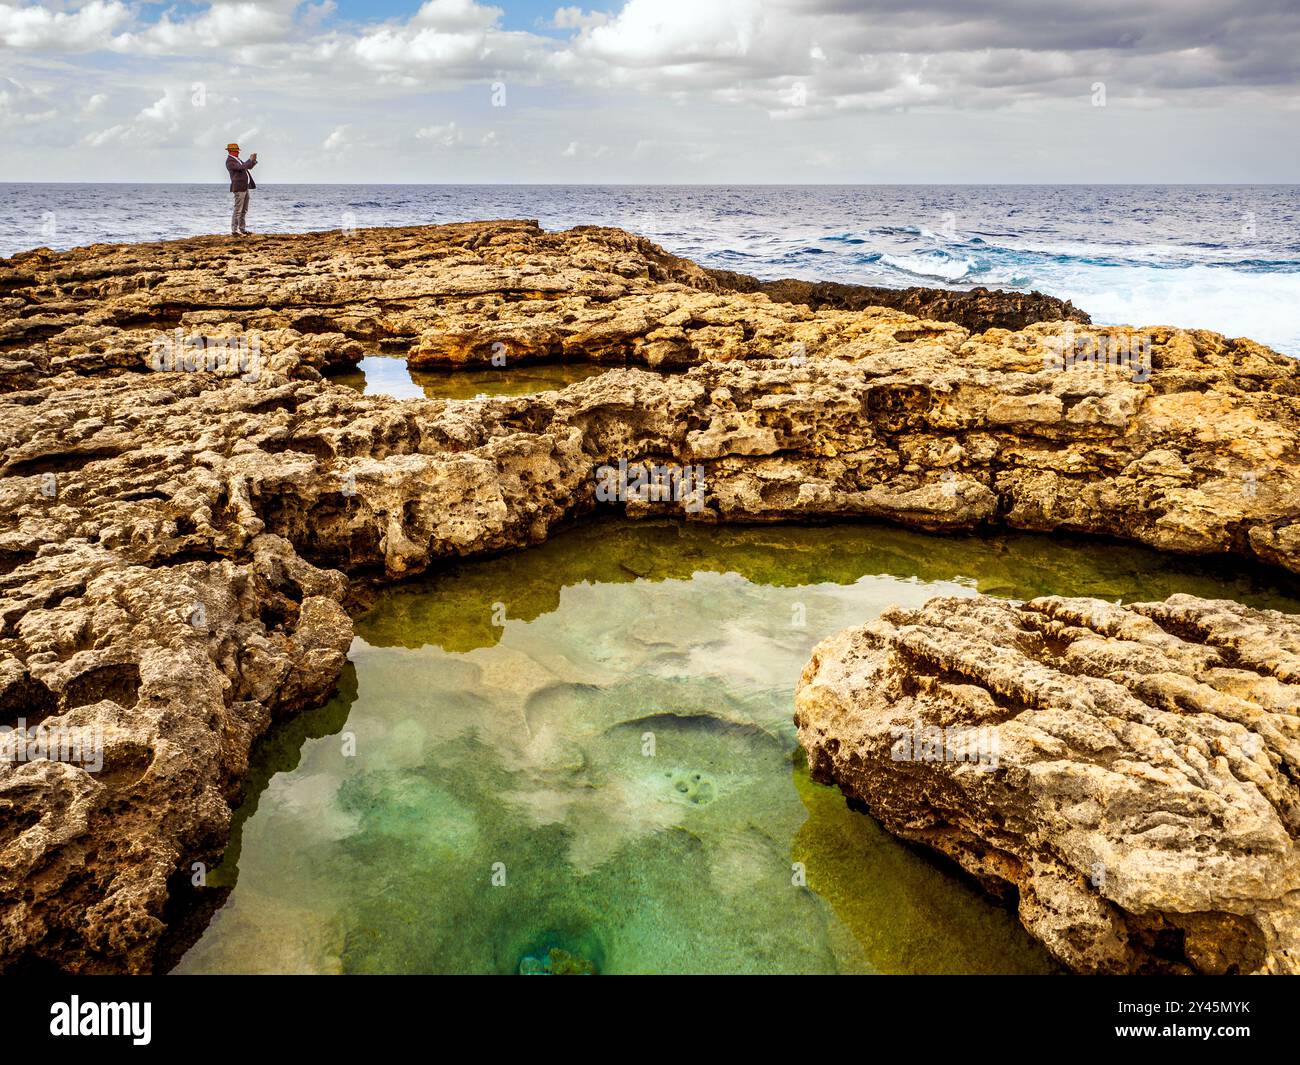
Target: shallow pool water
587	749
387	375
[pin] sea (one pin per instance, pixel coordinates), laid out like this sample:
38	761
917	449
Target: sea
1221	257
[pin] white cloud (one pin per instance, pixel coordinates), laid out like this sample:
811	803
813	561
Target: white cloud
677	35
33	26
337	140
310	16
388	49
456	15
578	150
447	136
20	104
688	72
172	120
574	18
854	53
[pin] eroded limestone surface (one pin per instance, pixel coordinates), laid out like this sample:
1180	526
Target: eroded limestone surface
1126	774
177	545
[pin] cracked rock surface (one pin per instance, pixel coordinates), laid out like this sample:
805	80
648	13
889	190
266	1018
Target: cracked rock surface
182	533
1125	774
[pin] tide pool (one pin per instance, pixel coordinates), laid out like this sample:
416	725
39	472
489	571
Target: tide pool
584	755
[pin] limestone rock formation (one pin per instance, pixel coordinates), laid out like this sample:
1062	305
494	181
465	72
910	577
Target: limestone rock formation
443	296
172	440
157	680
1127	774
976	309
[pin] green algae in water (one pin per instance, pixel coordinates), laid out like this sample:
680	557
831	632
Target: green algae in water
588	748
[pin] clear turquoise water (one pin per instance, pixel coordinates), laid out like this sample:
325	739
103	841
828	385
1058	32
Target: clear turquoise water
603	724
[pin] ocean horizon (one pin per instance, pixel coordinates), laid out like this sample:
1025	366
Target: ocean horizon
1224	257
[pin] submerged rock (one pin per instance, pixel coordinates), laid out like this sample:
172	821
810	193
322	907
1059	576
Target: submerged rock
187	505
558	962
1125	774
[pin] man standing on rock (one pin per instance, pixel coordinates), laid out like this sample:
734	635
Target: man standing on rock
241	183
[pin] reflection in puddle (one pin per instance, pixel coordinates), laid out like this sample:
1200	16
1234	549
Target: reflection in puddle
582	756
383	375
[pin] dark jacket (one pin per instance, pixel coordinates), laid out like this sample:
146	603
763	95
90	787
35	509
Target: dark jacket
240	178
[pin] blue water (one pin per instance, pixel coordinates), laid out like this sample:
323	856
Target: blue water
1222	257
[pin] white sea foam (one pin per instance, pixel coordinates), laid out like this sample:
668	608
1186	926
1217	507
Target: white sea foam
934	266
1261	306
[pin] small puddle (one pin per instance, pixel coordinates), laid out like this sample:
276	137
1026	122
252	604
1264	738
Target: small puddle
384	375
581	757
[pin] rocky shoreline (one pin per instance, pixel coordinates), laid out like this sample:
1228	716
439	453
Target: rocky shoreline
189	507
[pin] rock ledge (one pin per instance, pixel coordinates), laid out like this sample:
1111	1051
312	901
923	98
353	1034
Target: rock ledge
1132	784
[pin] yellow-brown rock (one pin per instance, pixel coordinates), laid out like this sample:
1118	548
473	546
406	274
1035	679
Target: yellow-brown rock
1125	774
188	503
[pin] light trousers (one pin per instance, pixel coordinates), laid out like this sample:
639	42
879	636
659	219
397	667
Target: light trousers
240	213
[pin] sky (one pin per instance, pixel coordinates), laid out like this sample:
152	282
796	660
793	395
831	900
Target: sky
650	91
